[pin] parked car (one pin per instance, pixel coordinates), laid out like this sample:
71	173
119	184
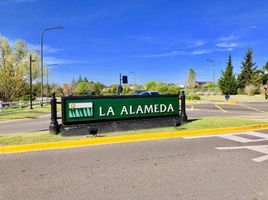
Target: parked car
154	93
150	93
146	93
138	92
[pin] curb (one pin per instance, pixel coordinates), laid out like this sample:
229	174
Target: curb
123	139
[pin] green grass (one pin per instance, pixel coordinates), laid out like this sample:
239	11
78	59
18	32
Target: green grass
31	138
11	114
203	123
239	98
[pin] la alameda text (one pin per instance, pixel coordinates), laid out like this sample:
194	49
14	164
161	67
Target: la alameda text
141	109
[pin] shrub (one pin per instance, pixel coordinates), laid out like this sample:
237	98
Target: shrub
193	97
239	91
250	89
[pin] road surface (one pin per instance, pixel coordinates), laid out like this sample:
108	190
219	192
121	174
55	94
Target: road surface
232	167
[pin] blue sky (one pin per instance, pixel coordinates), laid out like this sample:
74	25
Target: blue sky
155	39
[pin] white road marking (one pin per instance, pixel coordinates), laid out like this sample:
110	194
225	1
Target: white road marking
259	148
260	159
238	137
219	108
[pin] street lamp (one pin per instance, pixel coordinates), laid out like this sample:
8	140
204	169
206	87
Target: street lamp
213	71
42	52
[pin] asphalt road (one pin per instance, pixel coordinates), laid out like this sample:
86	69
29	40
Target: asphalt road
207	168
244	110
204	109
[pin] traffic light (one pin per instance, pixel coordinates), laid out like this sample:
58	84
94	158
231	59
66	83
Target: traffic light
124	79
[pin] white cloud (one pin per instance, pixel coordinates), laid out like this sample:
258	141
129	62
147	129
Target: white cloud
190	53
194	43
47	49
168	54
228	38
178	53
227	45
59	61
202	51
226	49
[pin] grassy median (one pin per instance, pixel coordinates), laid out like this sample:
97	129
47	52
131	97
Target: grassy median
23	113
238	98
199	124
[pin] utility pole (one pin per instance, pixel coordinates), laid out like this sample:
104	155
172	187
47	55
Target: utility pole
120	88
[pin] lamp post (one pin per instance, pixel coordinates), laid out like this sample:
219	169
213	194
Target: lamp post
31	82
213	71
42	53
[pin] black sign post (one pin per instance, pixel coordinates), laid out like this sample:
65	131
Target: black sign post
54	127
184	117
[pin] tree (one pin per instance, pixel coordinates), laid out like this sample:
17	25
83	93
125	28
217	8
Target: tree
80	79
82	88
151	85
97	88
14	69
227	82
190	82
85	79
57	89
163	88
68	89
248	73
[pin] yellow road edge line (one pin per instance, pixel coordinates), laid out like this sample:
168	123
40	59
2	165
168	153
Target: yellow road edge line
219	107
242	105
122	139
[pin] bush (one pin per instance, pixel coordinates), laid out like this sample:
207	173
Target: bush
193	97
163	88
250	90
239	91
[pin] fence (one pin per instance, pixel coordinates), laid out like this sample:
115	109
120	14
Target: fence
4	106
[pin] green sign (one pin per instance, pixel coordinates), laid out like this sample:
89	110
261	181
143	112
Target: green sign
92	109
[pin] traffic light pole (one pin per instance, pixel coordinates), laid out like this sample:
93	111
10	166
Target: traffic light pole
120	89
120	77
